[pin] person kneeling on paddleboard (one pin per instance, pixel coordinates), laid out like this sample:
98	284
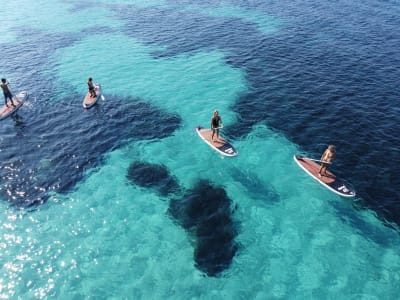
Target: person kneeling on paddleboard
6	92
216	124
326	159
91	87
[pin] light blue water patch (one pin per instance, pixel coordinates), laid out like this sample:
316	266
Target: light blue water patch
304	243
113	239
7	35
138	3
265	23
192	85
55	16
8	23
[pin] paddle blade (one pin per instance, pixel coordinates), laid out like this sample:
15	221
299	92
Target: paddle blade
103	98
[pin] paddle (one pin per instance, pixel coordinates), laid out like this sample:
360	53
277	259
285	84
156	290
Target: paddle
220	127
98	87
318	160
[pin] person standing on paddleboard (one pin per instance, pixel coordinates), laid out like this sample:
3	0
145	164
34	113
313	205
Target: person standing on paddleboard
326	159
6	92
216	124
91	87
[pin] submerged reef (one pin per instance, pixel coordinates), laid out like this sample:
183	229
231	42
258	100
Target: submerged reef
206	213
156	177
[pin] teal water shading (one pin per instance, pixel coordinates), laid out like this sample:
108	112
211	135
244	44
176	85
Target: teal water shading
139	3
190	85
53	17
7	35
112	239
109	239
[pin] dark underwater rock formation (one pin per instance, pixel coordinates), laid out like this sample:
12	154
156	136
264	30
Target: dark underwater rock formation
206	213
152	176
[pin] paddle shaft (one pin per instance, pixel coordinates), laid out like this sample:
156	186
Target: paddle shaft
318	160
98	87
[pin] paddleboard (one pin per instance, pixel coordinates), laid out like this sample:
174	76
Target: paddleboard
330	181
18	100
220	145
89	101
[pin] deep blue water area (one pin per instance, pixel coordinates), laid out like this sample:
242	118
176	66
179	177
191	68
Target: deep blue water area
331	78
323	73
50	147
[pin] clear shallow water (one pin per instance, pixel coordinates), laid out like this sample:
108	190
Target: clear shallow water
287	78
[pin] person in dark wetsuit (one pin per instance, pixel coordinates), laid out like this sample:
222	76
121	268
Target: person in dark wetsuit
326	159
6	92
91	87
216	124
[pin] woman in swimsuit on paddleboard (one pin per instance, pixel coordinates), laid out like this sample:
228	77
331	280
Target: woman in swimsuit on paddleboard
216	124
326	159
91	87
6	92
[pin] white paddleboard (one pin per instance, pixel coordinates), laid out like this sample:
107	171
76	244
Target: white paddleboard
18	100
219	144
89	101
330	181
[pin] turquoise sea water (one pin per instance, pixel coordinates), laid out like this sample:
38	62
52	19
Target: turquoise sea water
109	238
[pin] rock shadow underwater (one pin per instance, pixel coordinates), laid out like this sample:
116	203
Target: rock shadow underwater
152	176
206	213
